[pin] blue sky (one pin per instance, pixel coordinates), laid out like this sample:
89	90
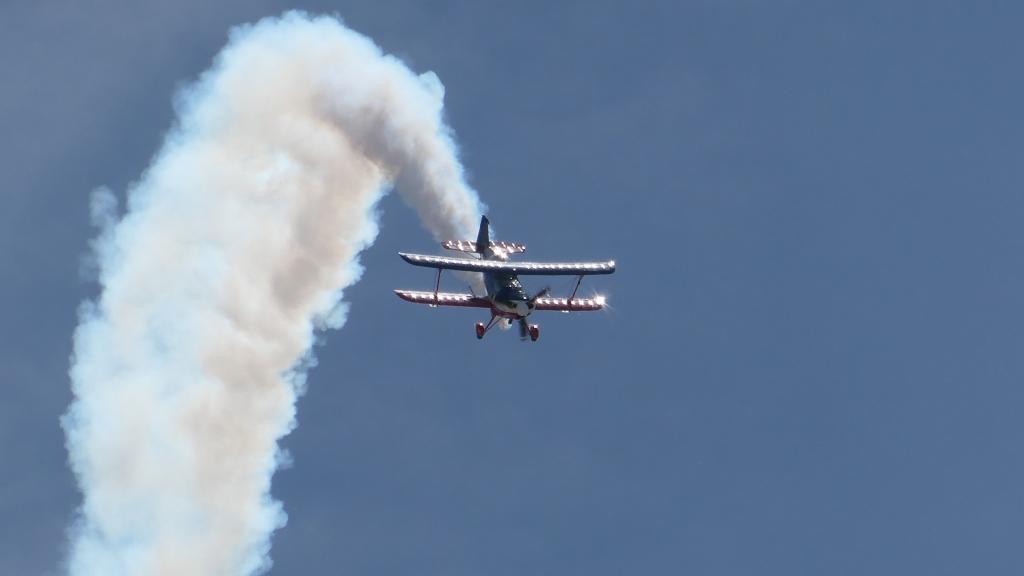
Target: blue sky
812	362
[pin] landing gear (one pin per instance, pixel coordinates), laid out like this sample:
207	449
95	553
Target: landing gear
532	330
481	329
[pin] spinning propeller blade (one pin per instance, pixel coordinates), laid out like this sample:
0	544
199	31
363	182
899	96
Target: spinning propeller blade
544	292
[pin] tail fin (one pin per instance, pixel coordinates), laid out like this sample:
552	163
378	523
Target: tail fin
483	238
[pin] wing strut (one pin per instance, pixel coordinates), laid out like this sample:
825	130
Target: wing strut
437	285
578	280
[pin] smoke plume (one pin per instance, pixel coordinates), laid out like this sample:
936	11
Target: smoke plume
233	250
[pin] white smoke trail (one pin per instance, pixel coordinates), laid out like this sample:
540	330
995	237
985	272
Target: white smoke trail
235	247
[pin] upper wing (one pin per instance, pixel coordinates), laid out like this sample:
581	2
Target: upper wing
521	268
443	299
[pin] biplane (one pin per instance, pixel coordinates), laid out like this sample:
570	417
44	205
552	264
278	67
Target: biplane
505	296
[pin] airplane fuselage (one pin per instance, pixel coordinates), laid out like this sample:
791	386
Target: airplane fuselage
507	296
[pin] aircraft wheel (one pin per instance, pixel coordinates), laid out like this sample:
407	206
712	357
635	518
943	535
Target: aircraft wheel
534	332
479	330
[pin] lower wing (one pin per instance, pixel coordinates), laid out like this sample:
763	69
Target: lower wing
470	301
567	305
443	299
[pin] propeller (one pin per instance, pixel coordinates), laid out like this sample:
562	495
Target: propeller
524	328
544	292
